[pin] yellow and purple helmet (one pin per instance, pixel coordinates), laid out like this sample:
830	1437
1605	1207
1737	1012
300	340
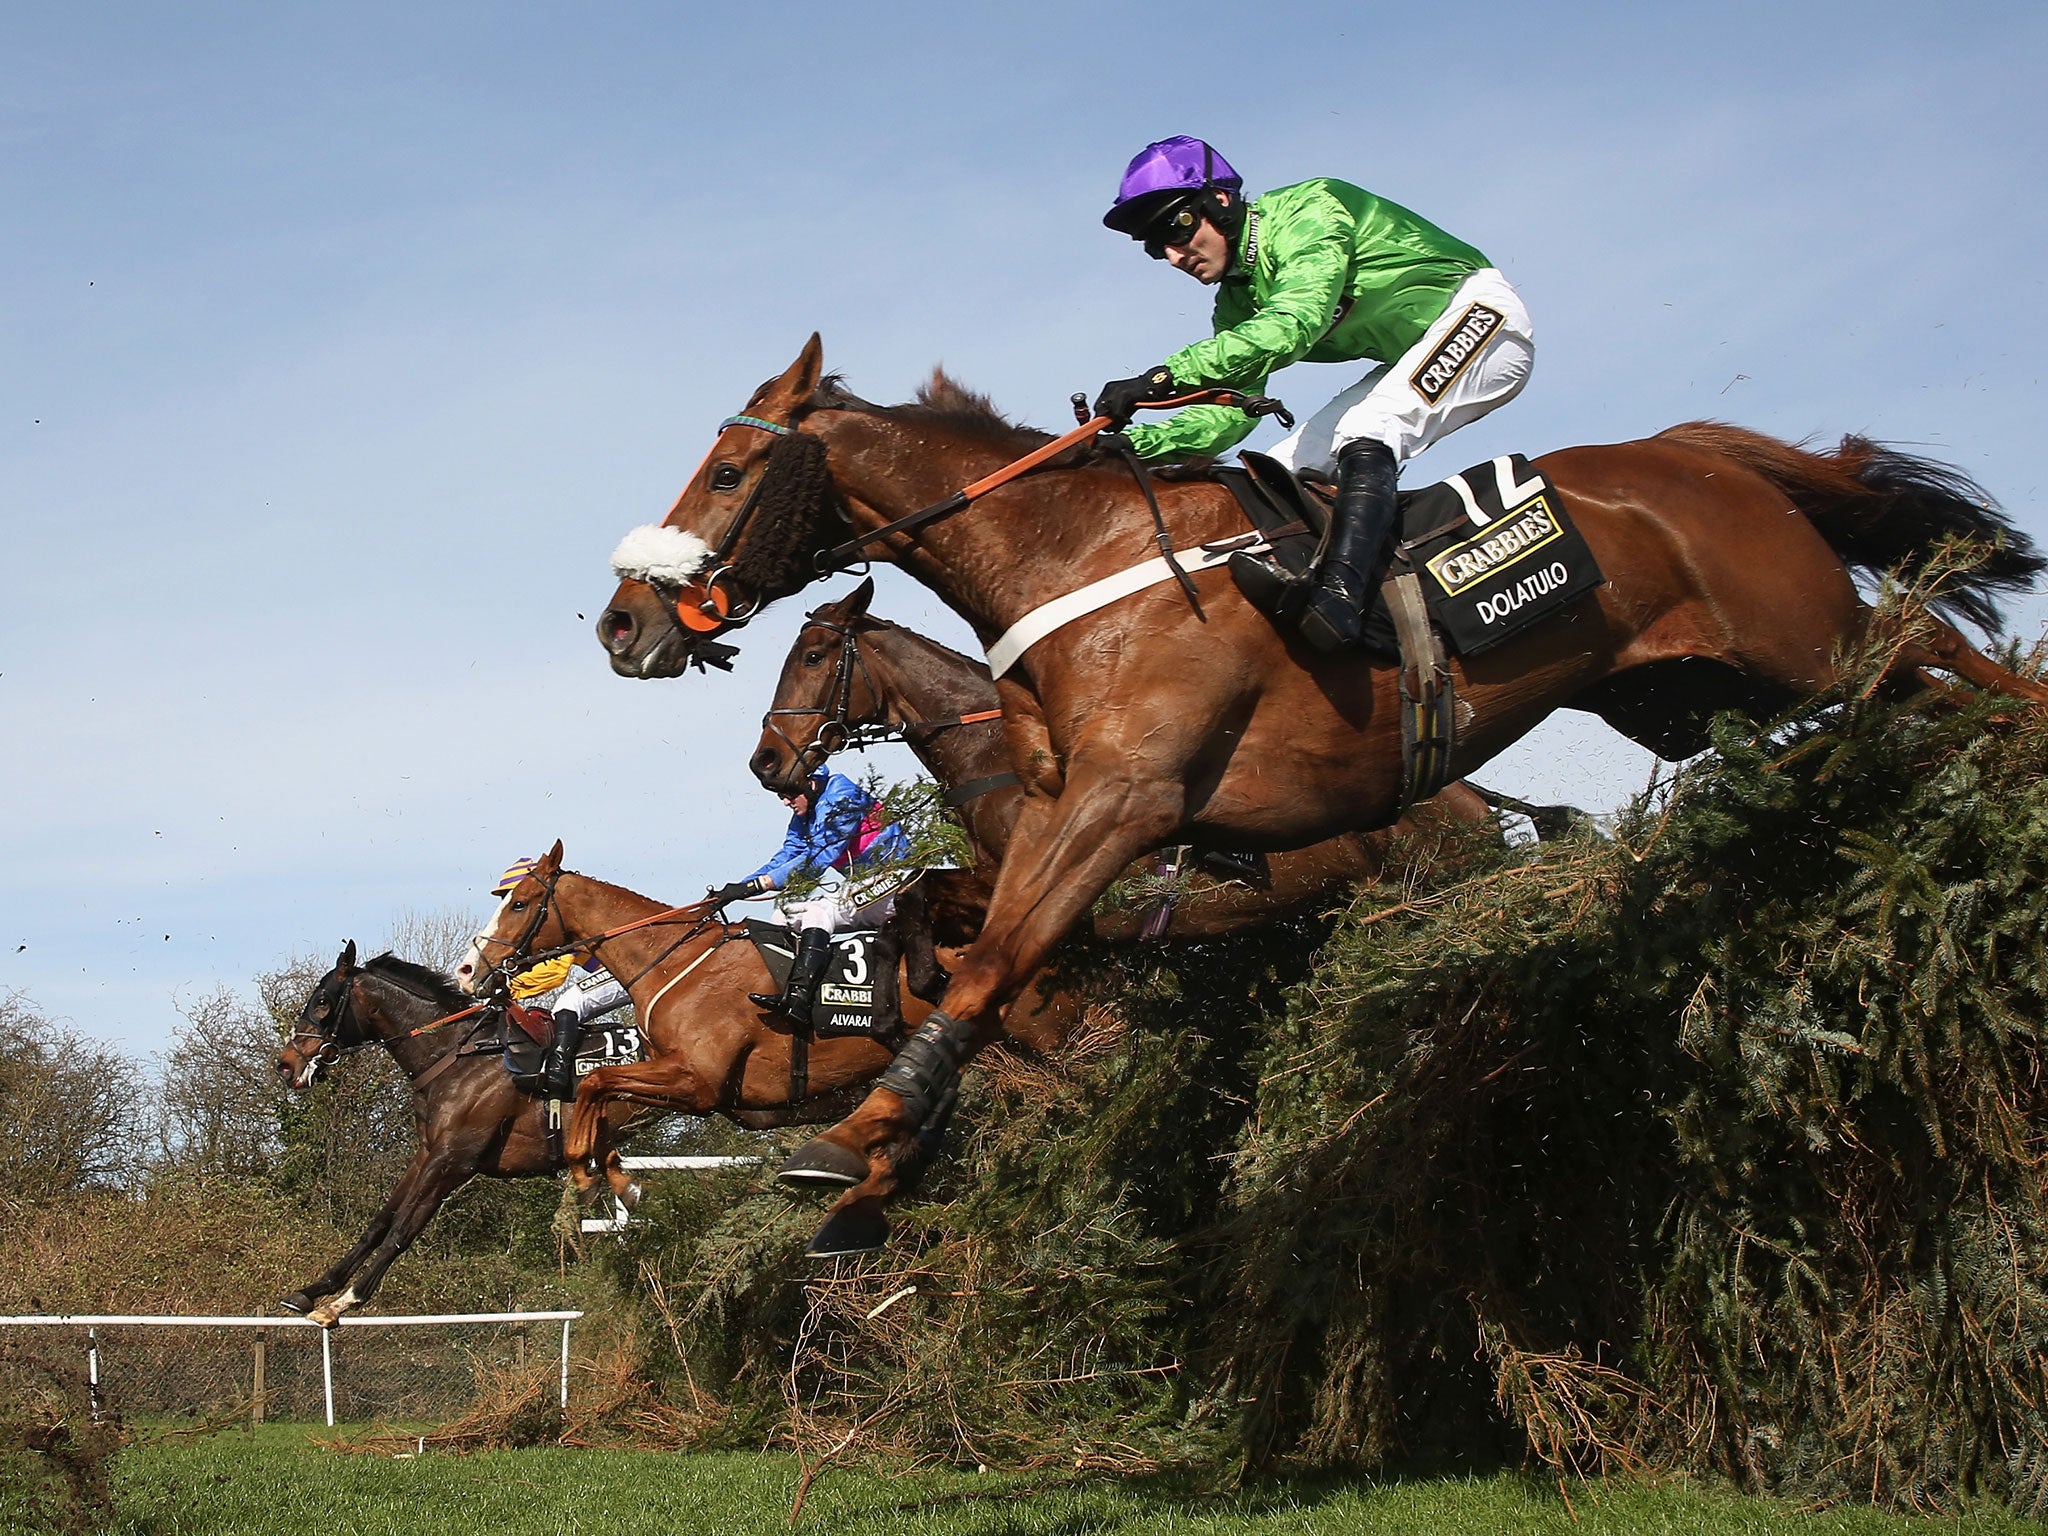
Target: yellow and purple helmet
515	872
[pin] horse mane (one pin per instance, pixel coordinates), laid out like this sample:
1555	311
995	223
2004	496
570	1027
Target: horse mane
436	984
868	621
944	402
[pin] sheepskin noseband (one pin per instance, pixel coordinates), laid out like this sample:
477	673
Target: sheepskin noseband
660	556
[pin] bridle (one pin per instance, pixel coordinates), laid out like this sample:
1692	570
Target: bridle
338	994
520	954
837	730
712	609
711	612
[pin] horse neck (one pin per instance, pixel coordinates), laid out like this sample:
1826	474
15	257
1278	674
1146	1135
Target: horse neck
992	562
589	908
393	1012
919	679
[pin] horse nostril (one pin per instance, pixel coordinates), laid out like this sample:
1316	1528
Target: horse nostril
615	628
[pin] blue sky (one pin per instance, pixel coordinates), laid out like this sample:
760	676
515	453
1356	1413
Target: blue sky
343	342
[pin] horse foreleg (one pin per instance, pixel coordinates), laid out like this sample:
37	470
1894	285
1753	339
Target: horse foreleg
444	1170
1059	862
308	1295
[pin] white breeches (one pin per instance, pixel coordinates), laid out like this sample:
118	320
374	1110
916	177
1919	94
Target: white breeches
1392	404
849	905
592	998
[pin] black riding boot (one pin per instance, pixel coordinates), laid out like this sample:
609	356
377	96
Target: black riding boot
1362	524
558	1070
813	950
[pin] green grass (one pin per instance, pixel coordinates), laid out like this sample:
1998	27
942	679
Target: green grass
279	1481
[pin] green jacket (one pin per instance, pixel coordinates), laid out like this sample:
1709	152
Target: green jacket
1326	272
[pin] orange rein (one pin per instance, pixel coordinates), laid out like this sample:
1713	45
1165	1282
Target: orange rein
1256	405
694	909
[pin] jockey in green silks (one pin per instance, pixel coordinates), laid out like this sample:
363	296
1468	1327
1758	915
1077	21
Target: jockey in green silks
1321	272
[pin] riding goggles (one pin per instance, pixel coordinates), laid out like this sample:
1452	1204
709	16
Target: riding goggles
1175	226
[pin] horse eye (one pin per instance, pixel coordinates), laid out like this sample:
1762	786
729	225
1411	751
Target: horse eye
725	478
518	906
812	658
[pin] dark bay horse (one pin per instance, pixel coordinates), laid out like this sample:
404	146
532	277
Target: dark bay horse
1730	561
709	1050
851	676
469	1119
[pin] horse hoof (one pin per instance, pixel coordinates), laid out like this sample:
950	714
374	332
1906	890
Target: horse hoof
326	1317
299	1301
857	1229
821	1164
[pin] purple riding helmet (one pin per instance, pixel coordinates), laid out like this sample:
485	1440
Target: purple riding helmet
1163	176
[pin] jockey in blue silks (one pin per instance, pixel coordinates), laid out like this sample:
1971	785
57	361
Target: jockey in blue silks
834	824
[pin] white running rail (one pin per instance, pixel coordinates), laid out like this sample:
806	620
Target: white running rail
94	1321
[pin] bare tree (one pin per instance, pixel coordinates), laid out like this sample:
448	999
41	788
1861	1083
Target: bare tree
438	938
68	1107
218	1114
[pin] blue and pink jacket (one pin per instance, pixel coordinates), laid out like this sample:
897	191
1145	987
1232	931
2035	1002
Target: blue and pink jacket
843	829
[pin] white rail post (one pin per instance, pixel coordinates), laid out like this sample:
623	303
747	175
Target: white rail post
327	1370
92	1372
565	1364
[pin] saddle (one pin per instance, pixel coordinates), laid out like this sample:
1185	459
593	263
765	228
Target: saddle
527	1033
1479	558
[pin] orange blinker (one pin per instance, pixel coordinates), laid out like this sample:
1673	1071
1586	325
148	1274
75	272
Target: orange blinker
703	609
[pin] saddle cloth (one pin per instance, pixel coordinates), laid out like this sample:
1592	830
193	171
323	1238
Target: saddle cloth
614	1045
1494	546
846	992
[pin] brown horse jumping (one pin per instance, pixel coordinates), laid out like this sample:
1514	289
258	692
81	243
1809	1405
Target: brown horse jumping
1729	560
851	677
469	1120
709	1050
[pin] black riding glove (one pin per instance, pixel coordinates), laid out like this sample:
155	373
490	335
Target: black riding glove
739	890
1120	397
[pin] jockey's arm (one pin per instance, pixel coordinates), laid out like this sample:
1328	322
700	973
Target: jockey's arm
1311	254
792	856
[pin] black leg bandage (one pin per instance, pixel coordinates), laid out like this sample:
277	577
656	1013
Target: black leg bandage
926	1072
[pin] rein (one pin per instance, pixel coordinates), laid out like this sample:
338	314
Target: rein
836	558
335	1051
702	914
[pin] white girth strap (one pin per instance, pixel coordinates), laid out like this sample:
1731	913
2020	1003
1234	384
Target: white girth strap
1062	611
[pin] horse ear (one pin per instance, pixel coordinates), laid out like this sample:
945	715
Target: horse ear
551	860
858	599
803	374
347	960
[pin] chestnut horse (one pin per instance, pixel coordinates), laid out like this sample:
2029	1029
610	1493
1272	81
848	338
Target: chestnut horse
1729	558
853	678
709	1050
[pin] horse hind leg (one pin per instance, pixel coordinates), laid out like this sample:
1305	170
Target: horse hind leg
593	1161
1945	650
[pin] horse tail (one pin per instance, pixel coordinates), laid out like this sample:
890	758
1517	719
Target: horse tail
1883	510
